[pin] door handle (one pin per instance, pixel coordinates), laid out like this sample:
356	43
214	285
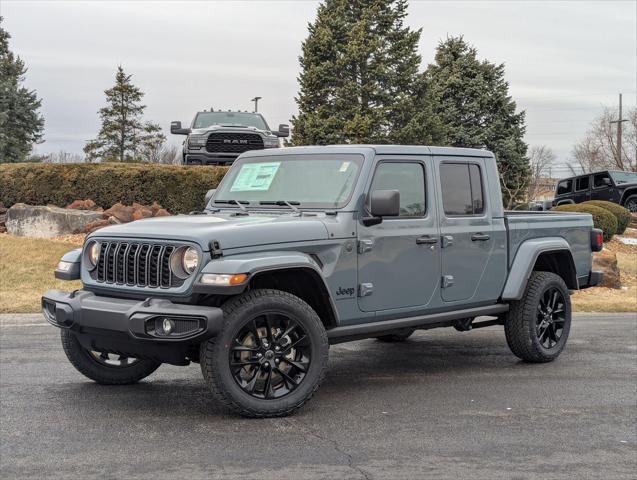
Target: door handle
426	240
479	237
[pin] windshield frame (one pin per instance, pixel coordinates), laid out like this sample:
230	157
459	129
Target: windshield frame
613	174
357	158
254	114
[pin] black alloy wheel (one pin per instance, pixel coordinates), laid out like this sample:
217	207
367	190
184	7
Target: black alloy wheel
270	356
551	317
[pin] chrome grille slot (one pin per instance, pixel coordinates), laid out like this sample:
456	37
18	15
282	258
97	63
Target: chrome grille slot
136	264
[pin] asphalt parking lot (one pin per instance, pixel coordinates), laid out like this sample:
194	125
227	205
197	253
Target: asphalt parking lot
442	405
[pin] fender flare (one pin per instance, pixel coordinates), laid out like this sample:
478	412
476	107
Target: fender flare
524	261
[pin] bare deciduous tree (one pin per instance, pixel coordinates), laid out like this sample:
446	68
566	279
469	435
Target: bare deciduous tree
164	154
598	149
541	159
64	157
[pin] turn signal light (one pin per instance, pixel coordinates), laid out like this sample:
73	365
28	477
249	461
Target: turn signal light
223	280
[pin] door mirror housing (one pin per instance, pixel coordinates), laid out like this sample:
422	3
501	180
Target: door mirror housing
284	131
209	195
175	129
607	182
382	203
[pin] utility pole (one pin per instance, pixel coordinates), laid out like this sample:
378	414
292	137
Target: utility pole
619	122
256	103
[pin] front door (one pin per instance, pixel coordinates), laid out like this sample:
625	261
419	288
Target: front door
582	189
398	259
465	229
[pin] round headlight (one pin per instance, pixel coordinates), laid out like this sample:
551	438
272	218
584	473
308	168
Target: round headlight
190	260
93	254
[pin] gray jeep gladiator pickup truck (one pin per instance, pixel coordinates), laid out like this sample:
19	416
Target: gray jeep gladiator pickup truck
300	248
218	138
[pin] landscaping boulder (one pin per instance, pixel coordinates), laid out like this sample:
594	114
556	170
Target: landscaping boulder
82	205
122	212
606	262
47	221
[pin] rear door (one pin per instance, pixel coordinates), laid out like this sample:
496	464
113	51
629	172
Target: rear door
582	189
465	228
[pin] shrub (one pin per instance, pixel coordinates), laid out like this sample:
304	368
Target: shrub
179	189
601	218
621	214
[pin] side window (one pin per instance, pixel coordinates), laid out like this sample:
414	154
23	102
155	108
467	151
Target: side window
565	186
462	192
583	183
601	180
409	179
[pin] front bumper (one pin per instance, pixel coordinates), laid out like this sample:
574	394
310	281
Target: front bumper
132	327
204	158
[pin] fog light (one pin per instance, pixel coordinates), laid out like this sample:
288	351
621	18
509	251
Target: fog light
167	325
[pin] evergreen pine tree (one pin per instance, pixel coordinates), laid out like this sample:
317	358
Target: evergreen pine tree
21	124
470	101
359	77
123	135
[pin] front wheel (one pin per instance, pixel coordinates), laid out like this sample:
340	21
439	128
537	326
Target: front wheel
270	356
631	203
103	367
537	325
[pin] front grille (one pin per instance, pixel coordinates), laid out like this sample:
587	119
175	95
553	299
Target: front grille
233	142
136	264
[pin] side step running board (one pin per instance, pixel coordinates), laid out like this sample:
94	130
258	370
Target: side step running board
366	330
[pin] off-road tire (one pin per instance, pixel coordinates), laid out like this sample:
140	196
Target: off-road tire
520	324
88	366
398	336
214	354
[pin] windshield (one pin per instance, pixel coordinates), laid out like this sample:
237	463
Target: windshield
314	181
229	119
624	177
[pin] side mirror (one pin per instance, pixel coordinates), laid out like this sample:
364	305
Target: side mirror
607	182
284	130
209	195
175	129
382	203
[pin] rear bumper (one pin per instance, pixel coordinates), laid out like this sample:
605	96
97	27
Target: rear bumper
594	278
132	327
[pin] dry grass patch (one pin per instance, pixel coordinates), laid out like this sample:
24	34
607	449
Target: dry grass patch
26	270
608	299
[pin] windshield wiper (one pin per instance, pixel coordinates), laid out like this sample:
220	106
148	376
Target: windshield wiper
238	203
290	204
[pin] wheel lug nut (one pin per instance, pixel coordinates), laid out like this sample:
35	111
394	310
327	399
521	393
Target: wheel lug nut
277	361
259	355
266	364
277	348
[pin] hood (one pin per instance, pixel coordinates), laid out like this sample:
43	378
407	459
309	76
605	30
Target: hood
234	129
623	186
228	230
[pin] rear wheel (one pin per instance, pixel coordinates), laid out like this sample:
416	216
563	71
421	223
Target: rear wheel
537	326
399	336
103	367
269	358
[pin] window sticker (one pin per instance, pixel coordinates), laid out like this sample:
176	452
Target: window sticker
344	167
255	177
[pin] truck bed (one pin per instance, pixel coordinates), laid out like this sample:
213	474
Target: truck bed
573	227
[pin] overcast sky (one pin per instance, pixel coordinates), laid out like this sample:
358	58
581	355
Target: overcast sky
564	60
